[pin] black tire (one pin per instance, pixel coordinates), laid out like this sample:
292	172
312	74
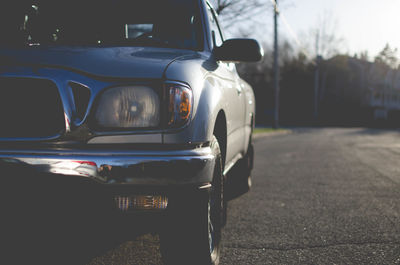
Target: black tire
193	231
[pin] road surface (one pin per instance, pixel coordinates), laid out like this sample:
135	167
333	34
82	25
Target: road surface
319	196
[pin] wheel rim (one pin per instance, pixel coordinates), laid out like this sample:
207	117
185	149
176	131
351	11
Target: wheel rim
211	231
213	223
215	206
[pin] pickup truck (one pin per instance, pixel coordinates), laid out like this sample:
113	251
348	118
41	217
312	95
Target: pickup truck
129	108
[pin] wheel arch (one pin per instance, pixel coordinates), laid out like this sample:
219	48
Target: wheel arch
220	132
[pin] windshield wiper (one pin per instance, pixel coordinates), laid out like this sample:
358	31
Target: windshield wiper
141	41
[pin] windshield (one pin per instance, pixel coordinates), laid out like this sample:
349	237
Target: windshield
159	23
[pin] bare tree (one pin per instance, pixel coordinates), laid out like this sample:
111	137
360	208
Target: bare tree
238	10
330	42
232	13
323	39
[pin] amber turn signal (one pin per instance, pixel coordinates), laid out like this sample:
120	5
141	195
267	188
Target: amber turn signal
180	104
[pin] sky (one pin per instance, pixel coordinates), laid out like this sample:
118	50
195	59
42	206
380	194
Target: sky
365	25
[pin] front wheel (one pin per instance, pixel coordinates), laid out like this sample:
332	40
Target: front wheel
193	232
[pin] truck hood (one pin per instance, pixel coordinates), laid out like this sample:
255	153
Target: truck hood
118	62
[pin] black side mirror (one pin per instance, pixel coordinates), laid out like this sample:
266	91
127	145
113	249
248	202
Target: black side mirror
239	50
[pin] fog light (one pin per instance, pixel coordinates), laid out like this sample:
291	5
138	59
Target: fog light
141	202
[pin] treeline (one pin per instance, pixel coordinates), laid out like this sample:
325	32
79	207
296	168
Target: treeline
351	91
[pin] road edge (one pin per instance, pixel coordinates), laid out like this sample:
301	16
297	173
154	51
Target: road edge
265	134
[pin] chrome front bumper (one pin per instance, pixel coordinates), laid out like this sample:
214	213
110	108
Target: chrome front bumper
115	167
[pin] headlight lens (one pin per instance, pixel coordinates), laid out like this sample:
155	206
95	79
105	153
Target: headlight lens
180	104
129	107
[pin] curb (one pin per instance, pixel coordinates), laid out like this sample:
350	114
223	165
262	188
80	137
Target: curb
261	135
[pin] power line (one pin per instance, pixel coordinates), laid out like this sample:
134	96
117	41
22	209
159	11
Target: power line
292	32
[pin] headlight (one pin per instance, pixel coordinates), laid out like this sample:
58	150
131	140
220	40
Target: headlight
180	103
128	107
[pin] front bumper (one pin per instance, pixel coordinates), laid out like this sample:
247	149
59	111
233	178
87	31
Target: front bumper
78	189
147	168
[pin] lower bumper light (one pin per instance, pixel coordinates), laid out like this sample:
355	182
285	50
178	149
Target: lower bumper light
141	202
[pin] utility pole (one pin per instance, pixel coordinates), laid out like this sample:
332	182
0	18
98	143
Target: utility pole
316	77
276	68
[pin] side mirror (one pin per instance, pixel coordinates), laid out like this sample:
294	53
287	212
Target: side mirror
239	50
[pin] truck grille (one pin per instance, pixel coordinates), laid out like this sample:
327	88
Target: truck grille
30	108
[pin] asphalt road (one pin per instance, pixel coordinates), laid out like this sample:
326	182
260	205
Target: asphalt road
319	196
